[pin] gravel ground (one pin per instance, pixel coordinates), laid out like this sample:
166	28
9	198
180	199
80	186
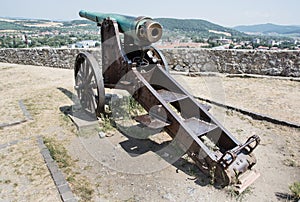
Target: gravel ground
116	174
273	97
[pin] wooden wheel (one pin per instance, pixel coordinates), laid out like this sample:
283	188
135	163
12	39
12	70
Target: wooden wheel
89	83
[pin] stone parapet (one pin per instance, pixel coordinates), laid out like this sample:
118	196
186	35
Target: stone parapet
274	63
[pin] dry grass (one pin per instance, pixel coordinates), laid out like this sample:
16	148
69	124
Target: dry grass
79	183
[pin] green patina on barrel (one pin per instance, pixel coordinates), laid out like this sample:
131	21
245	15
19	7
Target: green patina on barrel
143	29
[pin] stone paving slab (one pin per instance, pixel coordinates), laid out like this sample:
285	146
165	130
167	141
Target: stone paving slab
83	121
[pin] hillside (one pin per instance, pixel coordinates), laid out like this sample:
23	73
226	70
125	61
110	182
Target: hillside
43	25
21	33
202	27
269	29
6	25
198	27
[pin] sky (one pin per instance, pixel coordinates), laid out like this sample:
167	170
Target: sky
227	13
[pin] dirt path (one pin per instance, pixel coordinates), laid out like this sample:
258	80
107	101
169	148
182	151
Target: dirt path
107	167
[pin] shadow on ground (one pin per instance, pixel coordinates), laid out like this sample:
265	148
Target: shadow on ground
286	197
138	143
75	110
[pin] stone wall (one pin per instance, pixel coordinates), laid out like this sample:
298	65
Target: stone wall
60	58
276	63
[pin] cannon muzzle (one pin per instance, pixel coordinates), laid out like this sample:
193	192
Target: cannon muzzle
143	30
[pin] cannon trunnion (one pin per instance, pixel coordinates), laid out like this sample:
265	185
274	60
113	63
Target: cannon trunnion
132	64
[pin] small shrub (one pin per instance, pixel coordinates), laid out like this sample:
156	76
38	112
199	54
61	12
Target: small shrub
232	192
295	189
212	175
107	123
135	108
290	163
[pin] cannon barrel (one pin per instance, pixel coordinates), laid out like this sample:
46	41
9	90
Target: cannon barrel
143	30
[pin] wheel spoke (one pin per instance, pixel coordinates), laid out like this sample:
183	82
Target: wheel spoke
88	102
91	101
93	85
83	100
87	70
91	93
79	94
81	68
90	76
79	77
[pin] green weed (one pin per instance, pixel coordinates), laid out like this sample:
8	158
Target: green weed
232	192
295	189
58	152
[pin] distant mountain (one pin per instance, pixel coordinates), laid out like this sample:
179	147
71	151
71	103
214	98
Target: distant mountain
197	26
269	29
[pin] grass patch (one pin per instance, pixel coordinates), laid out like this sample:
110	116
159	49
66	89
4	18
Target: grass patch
231	191
239	131
134	107
290	162
65	118
6	68
79	184
123	108
107	123
32	107
58	152
84	189
66	122
229	112
295	189
212	175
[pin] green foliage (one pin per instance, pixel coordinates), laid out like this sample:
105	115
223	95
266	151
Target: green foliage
134	107
11	26
290	162
295	189
232	192
52	41
107	123
184	30
197	26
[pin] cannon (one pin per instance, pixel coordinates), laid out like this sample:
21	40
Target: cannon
131	63
143	30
